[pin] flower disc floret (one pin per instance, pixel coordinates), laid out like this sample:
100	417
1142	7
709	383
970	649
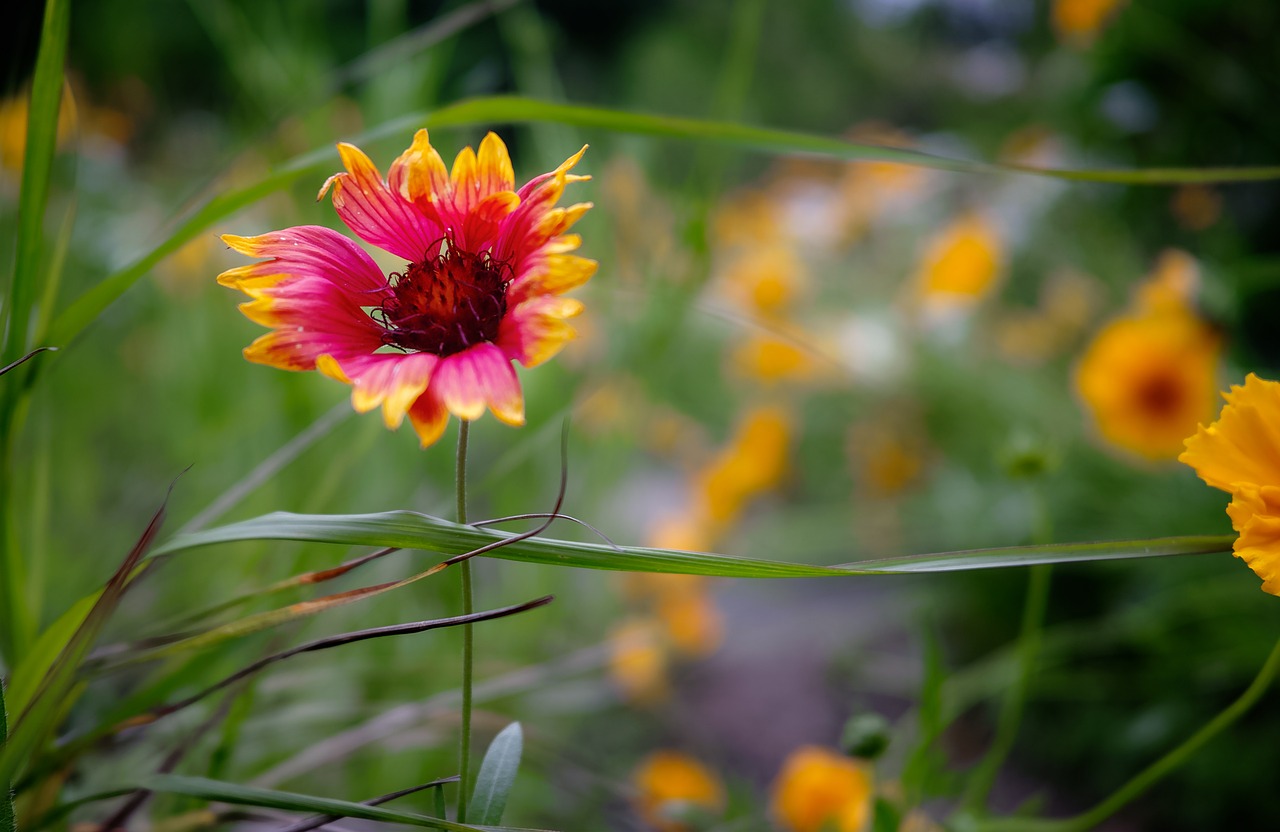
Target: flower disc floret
486	266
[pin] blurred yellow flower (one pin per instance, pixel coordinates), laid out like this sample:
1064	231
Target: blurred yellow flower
1068	303
869	189
749	217
13	126
765	279
1240	454
665	781
1079	21
638	662
961	263
819	789
1148	378
753	462
770	359
691	620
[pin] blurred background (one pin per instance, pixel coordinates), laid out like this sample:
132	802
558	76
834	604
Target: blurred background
781	358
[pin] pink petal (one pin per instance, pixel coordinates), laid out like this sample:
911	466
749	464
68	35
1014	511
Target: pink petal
303	251
376	213
468	380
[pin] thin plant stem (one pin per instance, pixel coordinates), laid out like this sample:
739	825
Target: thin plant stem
1155	772
468	636
1029	640
1030	637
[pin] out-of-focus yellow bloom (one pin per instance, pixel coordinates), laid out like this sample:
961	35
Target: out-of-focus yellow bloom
1079	21
1240	454
13	126
691	621
961	263
753	462
1171	286
1148	378
747	218
638	662
891	465
868	189
1068	302
820	789
771	360
1196	207
766	279
667	780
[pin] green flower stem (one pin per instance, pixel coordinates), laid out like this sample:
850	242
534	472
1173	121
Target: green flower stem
1033	611
1153	773
468	644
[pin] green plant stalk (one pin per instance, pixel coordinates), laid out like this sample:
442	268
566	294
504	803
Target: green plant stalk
468	636
1029	641
1155	772
8	823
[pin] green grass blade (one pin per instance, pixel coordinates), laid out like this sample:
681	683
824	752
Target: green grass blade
37	169
8	823
510	109
27	676
410	530
288	801
497	775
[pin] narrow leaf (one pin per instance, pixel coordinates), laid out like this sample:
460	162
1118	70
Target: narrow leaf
410	530
497	775
288	801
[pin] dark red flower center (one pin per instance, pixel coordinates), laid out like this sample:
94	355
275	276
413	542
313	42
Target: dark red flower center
446	303
1160	395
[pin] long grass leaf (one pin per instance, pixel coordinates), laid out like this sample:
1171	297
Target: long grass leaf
7	817
59	686
37	170
288	801
410	530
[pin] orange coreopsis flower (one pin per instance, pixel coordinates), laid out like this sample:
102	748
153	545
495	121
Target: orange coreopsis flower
820	789
486	266
1150	377
668	780
1240	454
961	264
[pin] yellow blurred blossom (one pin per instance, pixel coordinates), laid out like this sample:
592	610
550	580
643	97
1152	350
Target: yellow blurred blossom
1079	21
961	263
1240	454
666	781
638	662
753	462
770	359
1196	207
1149	377
868	189
819	789
13	126
765	279
682	605
691	622
747	218
1068	302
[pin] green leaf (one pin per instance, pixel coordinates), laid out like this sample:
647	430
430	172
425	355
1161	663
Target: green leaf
288	801
516	110
8	823
410	530
497	775
28	675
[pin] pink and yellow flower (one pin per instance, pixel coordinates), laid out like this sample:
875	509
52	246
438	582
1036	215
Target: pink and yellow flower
485	269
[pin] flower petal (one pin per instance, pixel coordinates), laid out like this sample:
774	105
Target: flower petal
553	274
419	174
1259	541
311	316
373	211
428	415
493	168
1243	446
392	380
468	380
303	251
535	330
